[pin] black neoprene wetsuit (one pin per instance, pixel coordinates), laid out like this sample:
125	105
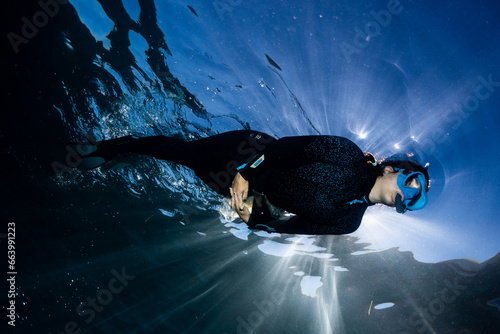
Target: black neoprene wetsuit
323	180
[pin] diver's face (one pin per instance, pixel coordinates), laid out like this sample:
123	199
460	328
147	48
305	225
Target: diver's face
390	188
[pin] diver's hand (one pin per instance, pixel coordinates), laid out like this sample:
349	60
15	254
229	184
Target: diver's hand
237	204
239	192
240	186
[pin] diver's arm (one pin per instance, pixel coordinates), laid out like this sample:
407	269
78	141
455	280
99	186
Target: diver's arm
277	151
300	150
288	151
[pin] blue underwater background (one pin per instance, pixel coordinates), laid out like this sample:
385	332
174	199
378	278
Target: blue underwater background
150	248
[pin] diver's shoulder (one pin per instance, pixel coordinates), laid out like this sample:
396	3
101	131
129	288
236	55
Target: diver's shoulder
341	142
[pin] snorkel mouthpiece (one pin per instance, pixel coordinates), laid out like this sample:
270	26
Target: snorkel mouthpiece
400	207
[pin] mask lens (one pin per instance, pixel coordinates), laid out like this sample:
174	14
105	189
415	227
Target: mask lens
410	179
410	193
407	184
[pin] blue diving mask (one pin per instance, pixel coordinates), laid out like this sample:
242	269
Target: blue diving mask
414	198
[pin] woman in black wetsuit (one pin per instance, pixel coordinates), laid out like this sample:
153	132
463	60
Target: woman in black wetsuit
303	185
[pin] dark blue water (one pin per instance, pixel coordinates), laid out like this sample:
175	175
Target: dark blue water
146	249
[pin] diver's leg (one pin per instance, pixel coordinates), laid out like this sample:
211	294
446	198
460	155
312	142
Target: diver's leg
214	159
94	153
240	145
98	153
